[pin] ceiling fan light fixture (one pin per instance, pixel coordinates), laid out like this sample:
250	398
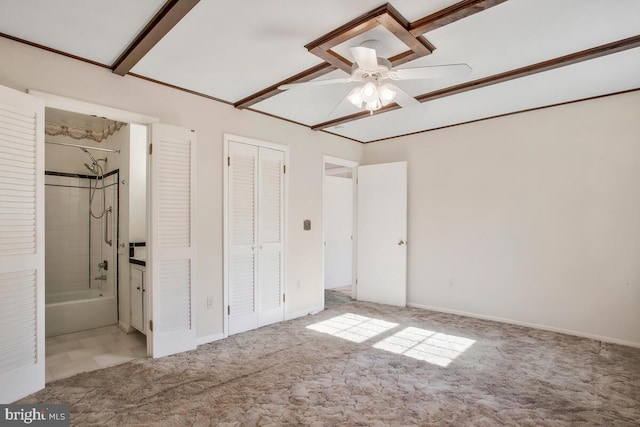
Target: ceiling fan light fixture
372	106
355	97
369	92
387	94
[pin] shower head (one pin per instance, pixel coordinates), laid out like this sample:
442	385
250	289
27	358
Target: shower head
93	168
93	159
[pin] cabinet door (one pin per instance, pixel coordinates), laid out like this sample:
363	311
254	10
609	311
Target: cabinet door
137	320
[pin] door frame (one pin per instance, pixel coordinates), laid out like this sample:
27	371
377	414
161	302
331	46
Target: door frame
353	165
227	137
83	107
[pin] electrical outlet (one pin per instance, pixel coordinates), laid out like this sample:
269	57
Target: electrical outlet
209	303
298	284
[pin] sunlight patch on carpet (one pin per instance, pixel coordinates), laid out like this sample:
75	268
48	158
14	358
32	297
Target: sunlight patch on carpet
432	347
352	327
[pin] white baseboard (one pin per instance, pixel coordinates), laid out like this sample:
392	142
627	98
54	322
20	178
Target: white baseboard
529	325
301	313
209	338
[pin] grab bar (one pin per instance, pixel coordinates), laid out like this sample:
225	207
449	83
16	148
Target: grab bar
106	227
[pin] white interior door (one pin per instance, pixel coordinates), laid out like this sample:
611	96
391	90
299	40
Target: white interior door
242	212
382	233
172	241
270	236
22	363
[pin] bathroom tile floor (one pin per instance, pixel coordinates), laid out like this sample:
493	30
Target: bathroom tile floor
70	354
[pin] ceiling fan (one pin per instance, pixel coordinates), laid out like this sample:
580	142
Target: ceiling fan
376	76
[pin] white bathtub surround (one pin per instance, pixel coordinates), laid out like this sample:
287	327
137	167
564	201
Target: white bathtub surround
66	233
100	249
79	310
70	354
76	299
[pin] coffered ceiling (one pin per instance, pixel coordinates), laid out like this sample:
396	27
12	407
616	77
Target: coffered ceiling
525	54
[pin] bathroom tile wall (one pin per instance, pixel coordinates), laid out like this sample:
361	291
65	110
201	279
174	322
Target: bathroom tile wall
71	261
66	234
100	250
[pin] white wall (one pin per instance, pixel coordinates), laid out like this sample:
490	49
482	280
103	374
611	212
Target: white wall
24	67
533	217
338	229
138	184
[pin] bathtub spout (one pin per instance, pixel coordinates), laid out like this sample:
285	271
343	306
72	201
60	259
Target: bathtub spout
101	277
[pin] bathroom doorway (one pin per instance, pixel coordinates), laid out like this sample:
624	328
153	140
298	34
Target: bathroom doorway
87	245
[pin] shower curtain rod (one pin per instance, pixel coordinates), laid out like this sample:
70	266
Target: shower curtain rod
88	147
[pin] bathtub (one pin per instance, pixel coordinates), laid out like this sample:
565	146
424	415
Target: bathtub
67	312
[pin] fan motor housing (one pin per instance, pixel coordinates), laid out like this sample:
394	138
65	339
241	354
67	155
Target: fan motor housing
383	68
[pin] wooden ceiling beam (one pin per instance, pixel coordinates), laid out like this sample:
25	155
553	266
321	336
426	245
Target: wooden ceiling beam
166	18
305	76
333	58
551	64
399	27
351	29
451	14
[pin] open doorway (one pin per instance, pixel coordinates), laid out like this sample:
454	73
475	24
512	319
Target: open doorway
95	209
339	210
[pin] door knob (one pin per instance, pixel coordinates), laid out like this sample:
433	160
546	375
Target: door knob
401	243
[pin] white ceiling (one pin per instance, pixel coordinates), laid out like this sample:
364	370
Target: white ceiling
231	50
95	30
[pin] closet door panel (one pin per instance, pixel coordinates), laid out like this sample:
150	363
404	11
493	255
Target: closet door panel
242	227
270	235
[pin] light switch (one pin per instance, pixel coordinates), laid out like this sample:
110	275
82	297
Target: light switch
307	224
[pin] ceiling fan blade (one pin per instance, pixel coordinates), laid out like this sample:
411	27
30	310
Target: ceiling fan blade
365	57
344	107
432	72
316	83
402	98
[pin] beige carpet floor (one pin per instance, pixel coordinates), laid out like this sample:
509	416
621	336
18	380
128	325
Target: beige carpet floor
367	364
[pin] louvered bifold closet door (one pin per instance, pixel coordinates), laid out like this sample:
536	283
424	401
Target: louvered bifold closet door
172	246
21	245
270	236
242	237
